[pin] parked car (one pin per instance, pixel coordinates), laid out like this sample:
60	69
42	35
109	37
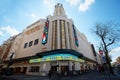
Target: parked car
5	71
117	68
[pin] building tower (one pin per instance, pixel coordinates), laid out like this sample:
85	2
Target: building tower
62	27
59	10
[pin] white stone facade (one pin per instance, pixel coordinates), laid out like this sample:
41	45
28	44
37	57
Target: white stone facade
60	36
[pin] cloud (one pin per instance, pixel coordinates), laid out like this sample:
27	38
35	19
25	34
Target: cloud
10	30
85	6
1	33
32	15
116	50
73	2
115	53
50	4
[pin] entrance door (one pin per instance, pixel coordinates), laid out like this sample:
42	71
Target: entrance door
54	68
24	70
64	68
17	69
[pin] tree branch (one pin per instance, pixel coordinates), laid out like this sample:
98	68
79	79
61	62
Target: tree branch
111	42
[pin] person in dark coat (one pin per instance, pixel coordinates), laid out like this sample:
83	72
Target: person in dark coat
50	73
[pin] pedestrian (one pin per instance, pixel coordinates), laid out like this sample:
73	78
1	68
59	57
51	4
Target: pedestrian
55	76
49	74
102	70
97	69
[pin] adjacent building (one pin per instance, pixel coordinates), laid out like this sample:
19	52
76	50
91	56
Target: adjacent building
53	44
118	60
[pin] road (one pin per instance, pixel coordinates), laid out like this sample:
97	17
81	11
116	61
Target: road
91	75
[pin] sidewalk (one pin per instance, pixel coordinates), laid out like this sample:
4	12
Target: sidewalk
94	75
91	75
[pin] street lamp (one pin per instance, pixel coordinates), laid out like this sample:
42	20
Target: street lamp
9	63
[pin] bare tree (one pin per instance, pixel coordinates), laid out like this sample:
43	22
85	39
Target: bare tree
109	35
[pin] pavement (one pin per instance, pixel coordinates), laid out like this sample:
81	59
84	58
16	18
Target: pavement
90	75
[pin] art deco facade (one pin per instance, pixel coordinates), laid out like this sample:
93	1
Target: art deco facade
52	43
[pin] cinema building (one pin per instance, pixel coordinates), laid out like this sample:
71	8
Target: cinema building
52	43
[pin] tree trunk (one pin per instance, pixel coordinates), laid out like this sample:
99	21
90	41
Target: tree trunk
108	63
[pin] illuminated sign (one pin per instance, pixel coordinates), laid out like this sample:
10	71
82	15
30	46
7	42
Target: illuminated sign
75	36
57	57
45	33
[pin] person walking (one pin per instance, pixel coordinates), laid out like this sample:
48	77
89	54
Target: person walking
50	73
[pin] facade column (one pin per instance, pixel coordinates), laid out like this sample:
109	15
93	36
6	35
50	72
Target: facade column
80	65
58	34
21	69
58	66
67	36
50	35
77	66
28	68
70	65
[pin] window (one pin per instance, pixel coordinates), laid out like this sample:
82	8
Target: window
36	41
25	45
34	69
30	43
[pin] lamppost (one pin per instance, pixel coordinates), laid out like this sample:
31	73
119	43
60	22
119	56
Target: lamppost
9	64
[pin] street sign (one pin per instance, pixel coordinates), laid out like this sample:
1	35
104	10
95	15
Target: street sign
104	59
101	52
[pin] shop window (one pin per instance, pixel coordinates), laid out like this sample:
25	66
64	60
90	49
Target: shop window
25	45
30	43
36	41
34	69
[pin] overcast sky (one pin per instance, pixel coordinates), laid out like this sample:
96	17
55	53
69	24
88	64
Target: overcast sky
16	15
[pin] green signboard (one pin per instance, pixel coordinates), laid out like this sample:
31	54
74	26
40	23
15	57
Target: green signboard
56	57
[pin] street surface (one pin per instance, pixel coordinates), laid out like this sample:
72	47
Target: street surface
91	75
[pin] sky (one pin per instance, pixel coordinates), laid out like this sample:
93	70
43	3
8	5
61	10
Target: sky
16	15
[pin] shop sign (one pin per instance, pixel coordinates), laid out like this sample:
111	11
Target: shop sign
57	57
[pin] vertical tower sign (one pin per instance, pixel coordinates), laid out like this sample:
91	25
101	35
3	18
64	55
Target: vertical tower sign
75	36
45	32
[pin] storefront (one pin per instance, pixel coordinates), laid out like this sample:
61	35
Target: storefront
57	61
61	61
